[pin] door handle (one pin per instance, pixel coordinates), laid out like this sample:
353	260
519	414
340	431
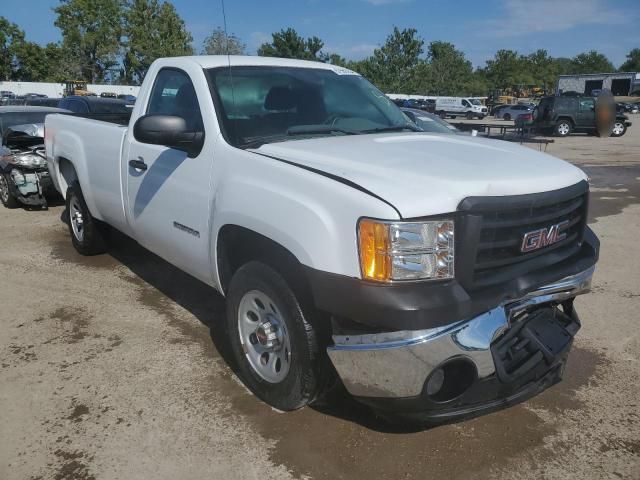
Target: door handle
138	164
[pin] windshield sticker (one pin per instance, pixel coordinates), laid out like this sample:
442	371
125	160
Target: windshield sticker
343	71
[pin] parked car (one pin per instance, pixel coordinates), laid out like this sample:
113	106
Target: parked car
42	102
6	94
94	104
564	115
510	112
130	99
419	104
24	177
434	274
429	122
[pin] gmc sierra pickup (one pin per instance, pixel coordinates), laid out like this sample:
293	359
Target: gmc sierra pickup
433	274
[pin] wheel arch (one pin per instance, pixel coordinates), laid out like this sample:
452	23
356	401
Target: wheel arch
237	245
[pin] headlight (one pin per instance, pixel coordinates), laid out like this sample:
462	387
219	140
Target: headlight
397	251
29	160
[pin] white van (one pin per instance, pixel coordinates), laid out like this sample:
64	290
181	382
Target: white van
459	106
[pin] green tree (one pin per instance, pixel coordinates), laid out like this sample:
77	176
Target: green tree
449	71
544	69
11	39
219	43
152	30
633	61
506	69
31	64
288	44
91	33
592	62
392	66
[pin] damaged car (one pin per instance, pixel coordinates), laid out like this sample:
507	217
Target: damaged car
24	178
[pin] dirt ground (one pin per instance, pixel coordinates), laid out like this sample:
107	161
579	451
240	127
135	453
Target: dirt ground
110	368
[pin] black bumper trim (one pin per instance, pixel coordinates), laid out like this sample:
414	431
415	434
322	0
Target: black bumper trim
422	305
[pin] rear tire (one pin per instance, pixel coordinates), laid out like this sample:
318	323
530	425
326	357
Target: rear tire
87	234
6	195
619	129
563	128
291	372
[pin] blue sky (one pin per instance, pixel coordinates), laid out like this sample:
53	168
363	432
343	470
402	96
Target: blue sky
353	28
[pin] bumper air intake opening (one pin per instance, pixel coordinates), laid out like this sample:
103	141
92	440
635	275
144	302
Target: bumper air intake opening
450	380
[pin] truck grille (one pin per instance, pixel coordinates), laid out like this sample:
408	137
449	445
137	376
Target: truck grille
494	229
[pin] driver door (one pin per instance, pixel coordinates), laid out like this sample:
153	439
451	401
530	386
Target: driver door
167	190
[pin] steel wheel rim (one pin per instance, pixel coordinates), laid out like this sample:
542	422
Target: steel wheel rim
4	189
264	336
77	220
618	129
563	129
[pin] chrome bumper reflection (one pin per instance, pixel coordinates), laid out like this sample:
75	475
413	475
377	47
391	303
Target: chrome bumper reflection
396	364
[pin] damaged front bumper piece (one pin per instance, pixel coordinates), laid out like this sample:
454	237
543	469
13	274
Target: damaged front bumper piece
468	368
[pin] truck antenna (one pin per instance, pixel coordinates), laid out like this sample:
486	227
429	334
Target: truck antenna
226	41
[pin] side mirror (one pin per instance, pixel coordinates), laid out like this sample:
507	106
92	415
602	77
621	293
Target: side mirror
170	131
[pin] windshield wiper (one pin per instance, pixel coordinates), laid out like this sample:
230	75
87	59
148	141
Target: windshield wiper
313	129
394	128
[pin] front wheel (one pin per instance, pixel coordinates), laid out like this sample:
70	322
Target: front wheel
274	344
87	233
619	129
6	195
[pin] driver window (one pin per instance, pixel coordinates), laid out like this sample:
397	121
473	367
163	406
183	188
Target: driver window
465	103
587	105
173	94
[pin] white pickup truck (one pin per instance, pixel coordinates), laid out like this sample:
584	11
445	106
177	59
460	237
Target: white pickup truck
433	274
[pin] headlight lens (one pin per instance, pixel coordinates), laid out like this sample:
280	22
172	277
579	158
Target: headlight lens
29	160
397	251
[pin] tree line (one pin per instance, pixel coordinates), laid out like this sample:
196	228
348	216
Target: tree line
117	40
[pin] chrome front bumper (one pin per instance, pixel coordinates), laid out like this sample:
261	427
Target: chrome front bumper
397	364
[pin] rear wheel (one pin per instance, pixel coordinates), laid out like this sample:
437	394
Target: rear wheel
6	195
87	233
619	129
274	344
563	128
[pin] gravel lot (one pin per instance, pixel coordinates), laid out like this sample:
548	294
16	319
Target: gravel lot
113	367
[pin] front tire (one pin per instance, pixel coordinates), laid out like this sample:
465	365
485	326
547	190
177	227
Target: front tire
273	342
87	233
6	195
563	128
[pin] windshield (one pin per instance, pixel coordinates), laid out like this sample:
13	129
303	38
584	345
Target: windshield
274	104
9	119
475	101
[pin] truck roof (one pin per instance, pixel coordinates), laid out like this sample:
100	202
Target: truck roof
213	61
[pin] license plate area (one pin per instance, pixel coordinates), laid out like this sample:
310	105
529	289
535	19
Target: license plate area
535	342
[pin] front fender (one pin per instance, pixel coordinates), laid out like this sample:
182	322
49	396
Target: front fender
312	216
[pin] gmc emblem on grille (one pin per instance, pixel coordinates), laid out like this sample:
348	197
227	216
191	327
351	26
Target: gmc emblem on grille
543	237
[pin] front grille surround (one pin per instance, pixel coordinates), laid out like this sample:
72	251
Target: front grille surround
491	229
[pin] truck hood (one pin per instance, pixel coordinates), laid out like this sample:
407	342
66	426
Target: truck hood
424	174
